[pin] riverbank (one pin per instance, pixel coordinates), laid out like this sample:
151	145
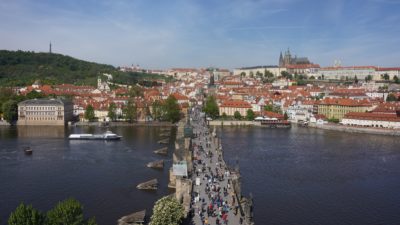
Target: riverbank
363	130
124	124
341	128
232	123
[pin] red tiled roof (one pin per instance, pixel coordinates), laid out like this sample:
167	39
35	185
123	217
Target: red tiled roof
273	115
236	104
179	96
349	67
302	66
344	102
372	116
388	69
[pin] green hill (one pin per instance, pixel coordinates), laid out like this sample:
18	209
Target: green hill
18	68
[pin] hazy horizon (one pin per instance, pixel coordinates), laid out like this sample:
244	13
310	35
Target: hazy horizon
225	34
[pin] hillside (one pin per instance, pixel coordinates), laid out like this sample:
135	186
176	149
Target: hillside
18	68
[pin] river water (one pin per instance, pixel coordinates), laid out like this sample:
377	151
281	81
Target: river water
312	176
101	175
296	176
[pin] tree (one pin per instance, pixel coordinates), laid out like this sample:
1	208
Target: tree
157	110
171	109
89	113
10	111
285	116
250	115
167	210
112	111
5	95
211	107
251	74
243	74
259	74
34	94
135	91
391	98
269	108
312	78
386	76
27	215
355	79
130	112
396	79
285	74
224	116
237	115
368	78
69	211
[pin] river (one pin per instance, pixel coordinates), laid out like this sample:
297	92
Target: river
101	175
296	176
312	176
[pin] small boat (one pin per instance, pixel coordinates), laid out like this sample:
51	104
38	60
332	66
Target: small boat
28	151
108	136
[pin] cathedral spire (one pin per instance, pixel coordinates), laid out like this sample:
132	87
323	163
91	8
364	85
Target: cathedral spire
280	60
50	48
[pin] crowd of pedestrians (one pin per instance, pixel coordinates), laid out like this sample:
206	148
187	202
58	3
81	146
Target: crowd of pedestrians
214	200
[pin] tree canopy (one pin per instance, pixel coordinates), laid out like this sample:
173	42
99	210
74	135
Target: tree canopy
10	111
171	109
157	110
250	115
130	111
67	212
391	98
237	115
27	215
19	68
89	113
112	111
167	210
211	107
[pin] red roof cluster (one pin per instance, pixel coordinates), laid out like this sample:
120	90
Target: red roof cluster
344	102
236	104
372	116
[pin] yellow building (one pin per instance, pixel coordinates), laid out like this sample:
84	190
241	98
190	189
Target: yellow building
338	107
229	107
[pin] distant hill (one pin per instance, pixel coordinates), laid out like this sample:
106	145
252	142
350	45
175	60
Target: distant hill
18	68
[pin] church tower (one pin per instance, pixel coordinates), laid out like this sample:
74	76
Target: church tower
287	58
99	83
50	48
280	60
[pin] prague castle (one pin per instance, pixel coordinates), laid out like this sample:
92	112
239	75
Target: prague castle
287	59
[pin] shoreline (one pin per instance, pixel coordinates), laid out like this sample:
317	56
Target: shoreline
101	124
360	130
124	124
333	127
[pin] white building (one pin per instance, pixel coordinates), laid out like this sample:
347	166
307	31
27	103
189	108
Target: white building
372	120
275	70
380	72
45	112
350	72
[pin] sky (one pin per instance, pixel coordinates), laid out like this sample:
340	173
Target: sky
161	34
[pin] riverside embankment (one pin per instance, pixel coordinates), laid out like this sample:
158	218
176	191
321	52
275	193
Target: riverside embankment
334	127
362	130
